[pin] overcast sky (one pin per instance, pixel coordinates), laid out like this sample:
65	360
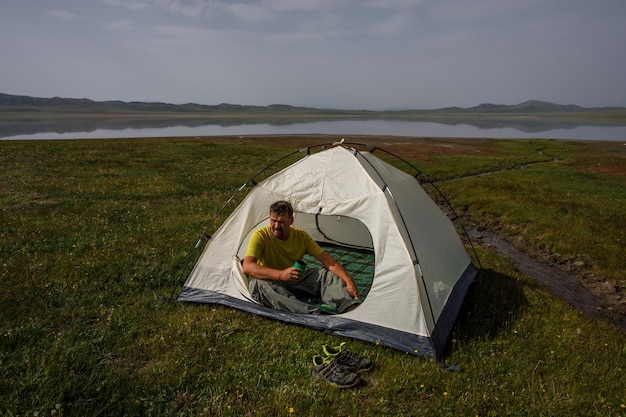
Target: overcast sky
348	54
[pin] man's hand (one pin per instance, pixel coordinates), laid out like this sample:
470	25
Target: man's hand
291	274
352	289
254	270
335	267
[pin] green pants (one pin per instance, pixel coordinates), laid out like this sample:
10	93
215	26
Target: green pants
316	283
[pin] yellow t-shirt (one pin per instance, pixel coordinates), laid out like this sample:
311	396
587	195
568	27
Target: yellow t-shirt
281	254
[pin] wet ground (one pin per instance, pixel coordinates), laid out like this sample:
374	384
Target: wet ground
562	283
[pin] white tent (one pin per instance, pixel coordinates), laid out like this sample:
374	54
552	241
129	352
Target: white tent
421	269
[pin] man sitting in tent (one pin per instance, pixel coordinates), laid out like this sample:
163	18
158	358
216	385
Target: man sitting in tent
276	283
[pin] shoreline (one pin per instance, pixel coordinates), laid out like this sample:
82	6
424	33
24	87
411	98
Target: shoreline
351	138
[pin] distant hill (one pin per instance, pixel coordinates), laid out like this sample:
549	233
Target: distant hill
531	106
528	106
26	104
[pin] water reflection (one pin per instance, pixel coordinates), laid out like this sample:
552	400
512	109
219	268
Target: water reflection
125	127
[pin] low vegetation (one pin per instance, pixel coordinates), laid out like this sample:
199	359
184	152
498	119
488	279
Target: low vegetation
94	234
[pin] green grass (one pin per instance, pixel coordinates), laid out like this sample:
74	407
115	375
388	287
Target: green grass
558	208
94	233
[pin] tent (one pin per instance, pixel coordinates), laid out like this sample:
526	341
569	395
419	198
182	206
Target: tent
352	201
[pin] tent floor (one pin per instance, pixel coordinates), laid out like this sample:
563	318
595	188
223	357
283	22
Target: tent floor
358	263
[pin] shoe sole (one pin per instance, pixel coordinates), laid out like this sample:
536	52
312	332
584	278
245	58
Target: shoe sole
336	385
360	371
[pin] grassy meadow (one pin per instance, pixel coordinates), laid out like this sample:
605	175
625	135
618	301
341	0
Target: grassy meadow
94	235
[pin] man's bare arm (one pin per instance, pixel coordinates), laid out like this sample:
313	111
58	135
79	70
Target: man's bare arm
336	268
254	270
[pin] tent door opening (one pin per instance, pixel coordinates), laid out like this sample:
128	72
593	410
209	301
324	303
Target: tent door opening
345	238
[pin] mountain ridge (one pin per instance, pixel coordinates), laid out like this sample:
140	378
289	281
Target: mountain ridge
9	102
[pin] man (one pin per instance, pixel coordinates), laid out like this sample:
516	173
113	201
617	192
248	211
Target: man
276	283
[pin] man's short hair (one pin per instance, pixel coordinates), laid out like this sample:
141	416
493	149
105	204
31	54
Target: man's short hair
282	207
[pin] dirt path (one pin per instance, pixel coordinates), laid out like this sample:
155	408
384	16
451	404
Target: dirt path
562	283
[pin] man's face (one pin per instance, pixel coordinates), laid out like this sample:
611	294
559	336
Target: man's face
280	224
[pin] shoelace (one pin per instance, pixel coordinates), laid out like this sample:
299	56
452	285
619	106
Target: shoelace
335	370
347	356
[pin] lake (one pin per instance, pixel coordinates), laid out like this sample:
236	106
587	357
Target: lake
522	129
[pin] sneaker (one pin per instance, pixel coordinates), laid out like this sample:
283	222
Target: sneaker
335	374
348	359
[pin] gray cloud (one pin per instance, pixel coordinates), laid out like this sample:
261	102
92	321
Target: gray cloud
325	53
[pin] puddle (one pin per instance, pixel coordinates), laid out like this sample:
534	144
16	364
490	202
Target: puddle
560	282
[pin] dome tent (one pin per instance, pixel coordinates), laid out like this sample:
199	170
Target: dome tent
352	200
